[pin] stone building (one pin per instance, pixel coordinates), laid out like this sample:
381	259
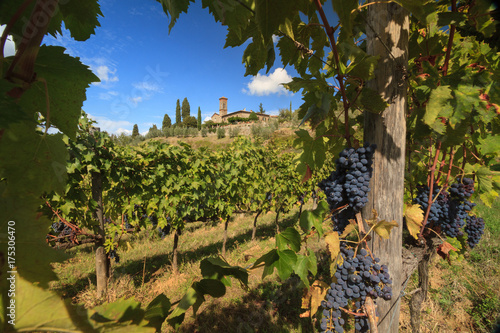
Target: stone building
223	116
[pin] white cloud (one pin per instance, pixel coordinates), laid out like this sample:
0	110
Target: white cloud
275	39
135	100
263	85
113	126
10	48
105	74
207	119
124	131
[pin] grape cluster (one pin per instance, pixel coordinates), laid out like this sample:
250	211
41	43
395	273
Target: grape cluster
61	229
349	184
127	224
439	209
358	277
474	229
114	255
450	210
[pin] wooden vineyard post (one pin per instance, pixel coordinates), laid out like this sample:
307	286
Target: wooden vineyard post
102	263
387	36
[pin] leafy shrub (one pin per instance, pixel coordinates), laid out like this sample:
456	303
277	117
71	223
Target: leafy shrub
221	133
234	131
204	132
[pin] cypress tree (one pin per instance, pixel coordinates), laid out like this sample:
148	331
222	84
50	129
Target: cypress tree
199	118
178	119
186	109
135	131
167	122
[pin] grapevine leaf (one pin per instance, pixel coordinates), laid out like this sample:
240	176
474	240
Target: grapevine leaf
414	218
285	264
177	316
313	297
348	229
31	311
35	168
301	268
371	101
423	10
216	268
290	238
157	311
448	18
312	265
383	228
269	14
333	244
465	101
439	104
269	259
444	249
122	310
22	210
314	218
344	9
214	288
255	56
80	17
490	145
66	79
174	8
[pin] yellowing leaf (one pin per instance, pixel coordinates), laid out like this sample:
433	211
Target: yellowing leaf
333	244
348	229
414	218
383	228
313	297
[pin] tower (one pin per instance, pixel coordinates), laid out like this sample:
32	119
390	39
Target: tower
222	106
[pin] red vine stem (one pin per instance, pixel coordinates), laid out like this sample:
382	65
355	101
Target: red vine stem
450	40
452	155
431	186
352	313
330	31
74	228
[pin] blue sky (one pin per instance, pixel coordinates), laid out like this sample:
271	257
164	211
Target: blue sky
144	70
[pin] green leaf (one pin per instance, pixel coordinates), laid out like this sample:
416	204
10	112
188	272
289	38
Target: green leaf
174	8
218	268
301	268
290	238
448	18
269	259
423	10
157	311
270	14
343	9
214	288
177	316
438	105
66	80
310	219
285	264
490	145
37	309
80	17
371	101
